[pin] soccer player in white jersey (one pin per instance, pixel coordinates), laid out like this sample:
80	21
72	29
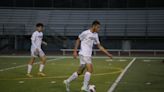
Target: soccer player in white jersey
87	38
36	41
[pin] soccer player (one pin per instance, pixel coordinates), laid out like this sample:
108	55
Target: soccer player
86	40
36	41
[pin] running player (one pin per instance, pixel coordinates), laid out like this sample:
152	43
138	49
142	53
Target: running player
36	50
87	38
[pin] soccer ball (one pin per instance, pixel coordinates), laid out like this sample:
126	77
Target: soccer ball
92	88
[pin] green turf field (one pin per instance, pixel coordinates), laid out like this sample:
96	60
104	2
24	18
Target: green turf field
145	75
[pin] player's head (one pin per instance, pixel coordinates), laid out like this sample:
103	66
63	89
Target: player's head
39	27
95	26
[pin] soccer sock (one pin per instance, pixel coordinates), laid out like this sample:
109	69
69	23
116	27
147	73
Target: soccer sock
86	78
29	68
41	67
72	77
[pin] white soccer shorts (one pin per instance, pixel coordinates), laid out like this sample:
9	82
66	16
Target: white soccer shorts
85	59
39	53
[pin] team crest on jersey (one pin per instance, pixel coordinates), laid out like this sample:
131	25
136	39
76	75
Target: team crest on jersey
92	38
40	37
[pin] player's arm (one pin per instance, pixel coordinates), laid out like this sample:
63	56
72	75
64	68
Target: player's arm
76	48
33	41
79	39
45	43
104	50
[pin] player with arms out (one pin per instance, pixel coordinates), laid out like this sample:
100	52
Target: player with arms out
36	41
86	40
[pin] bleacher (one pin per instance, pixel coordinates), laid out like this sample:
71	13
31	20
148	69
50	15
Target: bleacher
72	22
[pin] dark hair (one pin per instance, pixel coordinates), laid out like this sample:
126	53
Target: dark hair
39	25
96	22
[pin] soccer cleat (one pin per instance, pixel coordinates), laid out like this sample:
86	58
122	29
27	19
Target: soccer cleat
66	85
85	88
29	75
41	74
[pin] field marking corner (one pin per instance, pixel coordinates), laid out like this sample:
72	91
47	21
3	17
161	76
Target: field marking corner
114	85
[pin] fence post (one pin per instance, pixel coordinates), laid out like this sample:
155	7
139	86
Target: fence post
154	53
63	52
119	53
129	53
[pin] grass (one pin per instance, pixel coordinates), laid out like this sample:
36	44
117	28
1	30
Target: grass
145	75
142	76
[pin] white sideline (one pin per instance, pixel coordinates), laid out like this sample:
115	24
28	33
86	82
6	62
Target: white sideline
112	88
9	56
5	69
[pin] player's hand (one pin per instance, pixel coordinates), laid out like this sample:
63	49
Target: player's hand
110	55
75	55
37	50
44	43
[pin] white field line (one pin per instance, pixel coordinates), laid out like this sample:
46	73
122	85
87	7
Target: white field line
5	69
10	56
112	88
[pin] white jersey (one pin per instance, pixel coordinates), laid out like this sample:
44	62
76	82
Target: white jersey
87	40
36	40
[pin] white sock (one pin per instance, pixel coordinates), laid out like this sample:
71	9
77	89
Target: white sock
41	67
72	77
29	68
86	78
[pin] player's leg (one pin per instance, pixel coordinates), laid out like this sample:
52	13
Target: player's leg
87	75
30	63
75	74
79	71
67	81
42	63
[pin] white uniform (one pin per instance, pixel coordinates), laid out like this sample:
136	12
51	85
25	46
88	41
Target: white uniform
36	41
87	40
